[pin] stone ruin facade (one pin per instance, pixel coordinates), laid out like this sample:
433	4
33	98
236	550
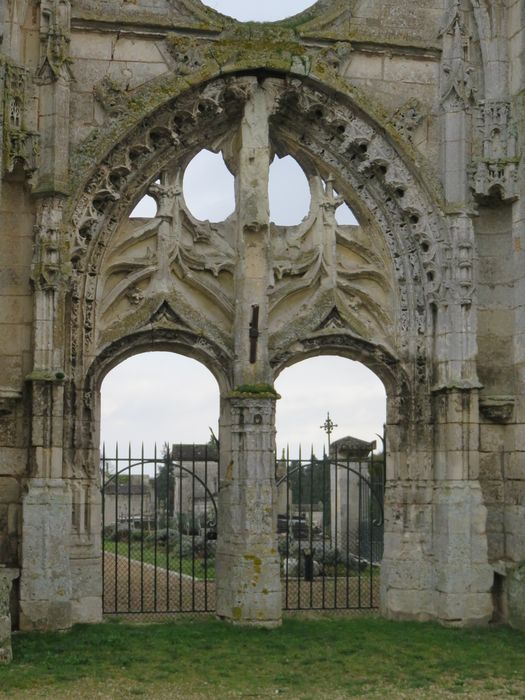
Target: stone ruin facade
410	112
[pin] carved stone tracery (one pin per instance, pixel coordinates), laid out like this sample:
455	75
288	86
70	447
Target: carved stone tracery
164	255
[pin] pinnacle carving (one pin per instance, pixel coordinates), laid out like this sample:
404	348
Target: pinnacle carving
21	146
496	171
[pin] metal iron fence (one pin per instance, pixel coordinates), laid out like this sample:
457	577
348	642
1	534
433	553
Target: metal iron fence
330	530
159	527
159	531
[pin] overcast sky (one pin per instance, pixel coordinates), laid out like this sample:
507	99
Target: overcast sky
259	10
158	397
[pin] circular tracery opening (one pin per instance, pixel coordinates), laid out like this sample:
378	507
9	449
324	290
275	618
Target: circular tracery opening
269	11
209	187
289	192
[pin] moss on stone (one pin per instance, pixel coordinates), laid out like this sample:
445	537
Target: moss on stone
45	376
264	391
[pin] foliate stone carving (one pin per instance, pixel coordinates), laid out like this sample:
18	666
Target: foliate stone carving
322	258
169	247
135	295
336	57
172	256
141	152
189	54
55	20
51	267
496	171
388	190
111	95
407	118
498	409
21	146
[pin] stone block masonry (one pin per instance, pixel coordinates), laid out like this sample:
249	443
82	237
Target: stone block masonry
413	116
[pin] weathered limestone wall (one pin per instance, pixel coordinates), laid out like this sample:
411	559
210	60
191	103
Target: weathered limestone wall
413	112
16	247
514	486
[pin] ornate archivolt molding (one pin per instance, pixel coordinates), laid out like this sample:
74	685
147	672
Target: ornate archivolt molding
173	257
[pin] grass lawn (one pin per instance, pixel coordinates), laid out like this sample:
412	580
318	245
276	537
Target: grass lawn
307	659
197	567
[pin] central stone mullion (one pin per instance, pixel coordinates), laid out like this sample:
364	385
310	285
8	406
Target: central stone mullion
247	564
253	243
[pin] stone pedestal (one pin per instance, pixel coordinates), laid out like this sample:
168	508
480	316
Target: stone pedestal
7	576
247	563
407	571
45	585
463	576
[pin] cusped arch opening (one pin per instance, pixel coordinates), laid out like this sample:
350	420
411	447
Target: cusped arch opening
209	187
288	191
146	208
268	11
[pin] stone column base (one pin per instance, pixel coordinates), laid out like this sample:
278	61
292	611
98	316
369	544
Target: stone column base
45	583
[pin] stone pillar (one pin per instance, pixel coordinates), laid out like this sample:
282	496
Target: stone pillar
463	576
248	564
45	587
407	569
7	576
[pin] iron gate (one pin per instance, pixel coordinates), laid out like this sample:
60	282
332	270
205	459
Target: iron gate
330	530
159	530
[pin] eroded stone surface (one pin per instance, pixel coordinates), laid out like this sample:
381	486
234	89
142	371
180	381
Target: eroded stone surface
413	116
7	576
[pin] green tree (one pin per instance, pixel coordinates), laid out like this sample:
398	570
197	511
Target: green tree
165	481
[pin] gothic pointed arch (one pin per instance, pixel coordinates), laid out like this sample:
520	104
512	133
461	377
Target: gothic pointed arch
330	137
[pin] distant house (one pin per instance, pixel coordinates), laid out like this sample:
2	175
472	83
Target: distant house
196	478
128	499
